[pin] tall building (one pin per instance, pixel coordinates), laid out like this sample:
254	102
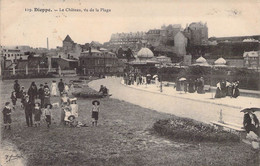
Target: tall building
197	33
126	38
69	49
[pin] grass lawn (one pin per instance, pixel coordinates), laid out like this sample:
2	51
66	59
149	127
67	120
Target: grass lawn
123	137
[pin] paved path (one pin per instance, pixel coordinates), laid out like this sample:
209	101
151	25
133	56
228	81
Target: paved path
198	110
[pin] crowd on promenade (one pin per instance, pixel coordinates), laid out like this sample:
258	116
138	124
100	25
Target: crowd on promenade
226	88
36	103
191	85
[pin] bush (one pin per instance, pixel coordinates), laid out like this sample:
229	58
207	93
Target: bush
190	130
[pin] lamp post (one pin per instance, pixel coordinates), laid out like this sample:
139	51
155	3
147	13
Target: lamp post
161	90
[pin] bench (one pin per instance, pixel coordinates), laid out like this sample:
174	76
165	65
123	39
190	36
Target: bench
236	127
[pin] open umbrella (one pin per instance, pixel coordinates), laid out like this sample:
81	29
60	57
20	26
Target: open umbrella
148	75
182	79
155	76
253	109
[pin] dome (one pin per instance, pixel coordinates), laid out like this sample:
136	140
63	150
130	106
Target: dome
145	53
220	61
201	60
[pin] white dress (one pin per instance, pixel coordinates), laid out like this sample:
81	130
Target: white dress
74	109
156	81
66	88
54	89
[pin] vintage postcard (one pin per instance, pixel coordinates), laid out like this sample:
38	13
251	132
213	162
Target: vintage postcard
133	82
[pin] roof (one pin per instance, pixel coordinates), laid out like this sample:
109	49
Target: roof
70	60
220	61
68	39
145	53
251	54
201	60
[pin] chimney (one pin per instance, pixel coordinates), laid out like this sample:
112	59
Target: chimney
47	44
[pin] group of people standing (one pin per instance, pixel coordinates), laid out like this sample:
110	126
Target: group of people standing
138	78
190	85
29	103
36	103
226	88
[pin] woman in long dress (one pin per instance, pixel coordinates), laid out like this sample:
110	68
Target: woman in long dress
54	88
66	88
218	91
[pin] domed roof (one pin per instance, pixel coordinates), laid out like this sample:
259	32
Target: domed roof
201	60
145	53
220	61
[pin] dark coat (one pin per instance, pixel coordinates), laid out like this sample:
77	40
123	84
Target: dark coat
61	86
41	93
16	87
32	92
27	107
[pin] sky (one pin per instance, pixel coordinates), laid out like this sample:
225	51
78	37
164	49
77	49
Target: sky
18	26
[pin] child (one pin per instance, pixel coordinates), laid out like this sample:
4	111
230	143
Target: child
37	114
14	98
68	116
66	88
7	115
47	114
23	95
64	99
95	110
64	108
74	107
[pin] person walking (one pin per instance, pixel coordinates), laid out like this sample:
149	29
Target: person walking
32	92
54	88
28	111
61	87
7	115
17	88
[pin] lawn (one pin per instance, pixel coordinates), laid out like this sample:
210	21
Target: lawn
123	136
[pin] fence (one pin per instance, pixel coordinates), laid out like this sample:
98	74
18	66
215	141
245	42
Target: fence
28	73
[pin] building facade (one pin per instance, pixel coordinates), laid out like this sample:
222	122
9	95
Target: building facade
126	38
95	62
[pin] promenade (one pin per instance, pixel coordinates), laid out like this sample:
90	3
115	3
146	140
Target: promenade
200	107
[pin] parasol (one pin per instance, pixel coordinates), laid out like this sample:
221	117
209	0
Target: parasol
182	79
148	75
253	109
155	76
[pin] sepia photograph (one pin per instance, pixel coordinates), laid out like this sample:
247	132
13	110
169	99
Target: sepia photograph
129	83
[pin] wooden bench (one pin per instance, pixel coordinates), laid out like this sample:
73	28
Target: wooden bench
235	127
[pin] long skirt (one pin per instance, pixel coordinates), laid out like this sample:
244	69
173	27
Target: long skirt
218	93
54	91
